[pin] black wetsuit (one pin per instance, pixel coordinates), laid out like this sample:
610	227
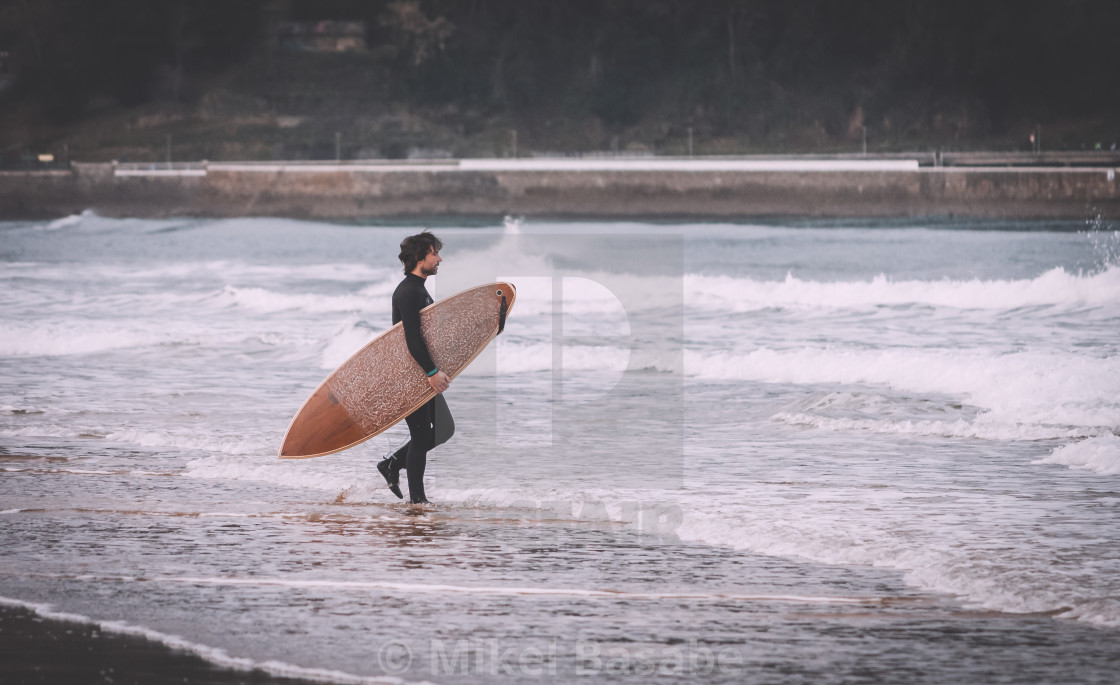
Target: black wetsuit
431	424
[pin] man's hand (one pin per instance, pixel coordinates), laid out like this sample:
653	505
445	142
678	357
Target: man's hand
439	381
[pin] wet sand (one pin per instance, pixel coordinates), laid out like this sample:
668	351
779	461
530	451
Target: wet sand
34	649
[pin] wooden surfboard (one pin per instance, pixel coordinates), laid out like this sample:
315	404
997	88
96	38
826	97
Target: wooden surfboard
381	384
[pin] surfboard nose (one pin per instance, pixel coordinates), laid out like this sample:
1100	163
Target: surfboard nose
507	290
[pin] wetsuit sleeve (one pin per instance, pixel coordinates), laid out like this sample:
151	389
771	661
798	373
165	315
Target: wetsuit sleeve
411	302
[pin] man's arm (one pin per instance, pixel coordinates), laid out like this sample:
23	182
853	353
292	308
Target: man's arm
410	305
411	302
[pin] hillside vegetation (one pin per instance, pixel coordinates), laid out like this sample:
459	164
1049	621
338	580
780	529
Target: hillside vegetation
133	79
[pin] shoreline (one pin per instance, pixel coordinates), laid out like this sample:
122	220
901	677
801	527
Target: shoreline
40	646
698	189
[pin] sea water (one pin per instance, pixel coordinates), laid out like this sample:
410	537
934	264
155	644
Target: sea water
880	450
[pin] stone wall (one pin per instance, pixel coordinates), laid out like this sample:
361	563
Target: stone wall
338	192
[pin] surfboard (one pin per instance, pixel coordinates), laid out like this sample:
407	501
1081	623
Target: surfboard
381	383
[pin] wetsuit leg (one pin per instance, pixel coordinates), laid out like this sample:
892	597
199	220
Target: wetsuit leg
444	425
437	417
421	439
442	421
399	457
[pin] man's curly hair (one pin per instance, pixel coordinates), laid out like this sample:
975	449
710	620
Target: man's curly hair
415	248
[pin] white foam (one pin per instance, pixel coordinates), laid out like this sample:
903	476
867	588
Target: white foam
587	297
515	358
983	427
47	431
67	221
510	591
230	271
840	526
1054	287
288	473
346	340
207	442
259	299
1038	388
641	510
51	339
214	655
11	511
203	443
76	336
1100	454
830	532
21	410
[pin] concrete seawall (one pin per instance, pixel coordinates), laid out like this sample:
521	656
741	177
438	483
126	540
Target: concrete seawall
525	187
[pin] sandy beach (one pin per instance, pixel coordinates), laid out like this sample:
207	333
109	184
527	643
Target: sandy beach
37	650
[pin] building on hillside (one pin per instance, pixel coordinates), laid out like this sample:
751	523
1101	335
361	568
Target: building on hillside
321	36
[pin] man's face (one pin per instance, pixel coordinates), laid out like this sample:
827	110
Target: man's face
430	264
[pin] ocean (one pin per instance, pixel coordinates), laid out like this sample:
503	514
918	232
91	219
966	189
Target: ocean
785	451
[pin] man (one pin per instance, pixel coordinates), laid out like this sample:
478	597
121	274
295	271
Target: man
431	424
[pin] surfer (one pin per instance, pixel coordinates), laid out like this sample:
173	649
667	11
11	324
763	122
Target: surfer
431	424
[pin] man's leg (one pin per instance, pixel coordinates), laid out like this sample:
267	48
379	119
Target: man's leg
442	422
390	468
442	427
422	438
